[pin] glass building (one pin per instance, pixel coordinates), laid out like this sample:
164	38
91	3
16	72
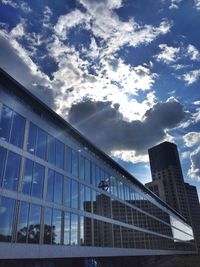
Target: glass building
62	197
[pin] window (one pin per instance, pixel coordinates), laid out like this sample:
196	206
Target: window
74	229
60	153
22	226
28	177
38	180
3	153
34	224
48	229
5	123
67	229
68	193
87	170
12	171
69	159
54	187
7	206
33	179
18	127
56	223
12	127
74	194
41	144
58	188
52	150
75	163
37	141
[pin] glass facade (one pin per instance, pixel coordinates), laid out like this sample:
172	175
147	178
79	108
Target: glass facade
69	196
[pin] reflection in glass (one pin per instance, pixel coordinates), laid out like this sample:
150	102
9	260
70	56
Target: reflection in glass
5	123
52	150
87	170
50	186
32	138
22	226
60	152
68	159
67	229
68	193
56	223
41	144
28	177
3	153
7	206
38	180
58	188
74	198
49	235
12	171
34	224
74	229
75	163
17	133
82	228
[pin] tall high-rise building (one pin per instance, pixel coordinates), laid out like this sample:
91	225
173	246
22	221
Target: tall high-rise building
168	184
194	208
167	177
62	199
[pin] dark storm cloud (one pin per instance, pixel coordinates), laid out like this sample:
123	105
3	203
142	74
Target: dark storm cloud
13	63
105	126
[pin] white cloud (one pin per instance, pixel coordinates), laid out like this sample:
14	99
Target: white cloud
191	77
168	54
47	16
70	20
129	156
185	155
197	4
15	4
192	52
191	139
175	4
194	171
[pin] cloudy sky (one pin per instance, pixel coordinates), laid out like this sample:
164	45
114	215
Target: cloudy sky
125	73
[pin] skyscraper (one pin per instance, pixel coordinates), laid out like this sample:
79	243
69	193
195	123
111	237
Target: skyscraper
168	184
167	177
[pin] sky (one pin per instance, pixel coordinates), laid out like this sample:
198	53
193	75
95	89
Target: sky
126	74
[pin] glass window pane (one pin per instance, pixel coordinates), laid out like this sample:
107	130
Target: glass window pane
69	159
32	137
12	171
38	180
50	185
57	215
67	229
87	170
58	188
22	225
93	174
74	194
48	229
28	176
5	123
17	133
34	224
82	168
82	196
68	193
82	228
60	153
7	206
52	150
74	229
3	152
75	163
41	144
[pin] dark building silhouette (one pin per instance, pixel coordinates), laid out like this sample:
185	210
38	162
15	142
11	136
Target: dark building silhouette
168	184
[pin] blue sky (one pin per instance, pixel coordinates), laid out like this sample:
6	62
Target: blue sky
124	73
